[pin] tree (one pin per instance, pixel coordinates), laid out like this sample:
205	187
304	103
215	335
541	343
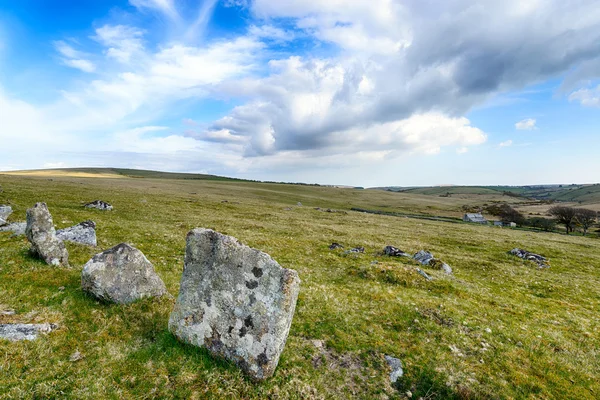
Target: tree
545	224
585	218
508	214
564	215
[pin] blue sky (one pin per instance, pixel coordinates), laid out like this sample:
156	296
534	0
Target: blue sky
363	92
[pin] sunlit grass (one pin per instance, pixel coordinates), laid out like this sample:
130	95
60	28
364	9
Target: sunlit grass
498	328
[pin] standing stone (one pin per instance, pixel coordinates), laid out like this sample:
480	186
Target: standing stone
5	211
83	233
236	301
42	236
100	205
121	275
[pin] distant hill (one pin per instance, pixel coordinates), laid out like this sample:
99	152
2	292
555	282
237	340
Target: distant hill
583	194
119	172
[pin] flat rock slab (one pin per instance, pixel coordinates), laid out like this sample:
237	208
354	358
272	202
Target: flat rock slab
83	233
541	261
100	205
236	301
5	211
121	275
42	236
396	366
394	252
16	332
17	228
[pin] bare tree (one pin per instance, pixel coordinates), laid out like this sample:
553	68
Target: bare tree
564	215
585	218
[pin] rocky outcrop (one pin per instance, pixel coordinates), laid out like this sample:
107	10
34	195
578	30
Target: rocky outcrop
121	275
541	261
42	236
394	252
426	258
5	211
83	233
100	205
335	246
17	228
235	301
16	332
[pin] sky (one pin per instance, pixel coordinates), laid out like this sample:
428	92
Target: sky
349	92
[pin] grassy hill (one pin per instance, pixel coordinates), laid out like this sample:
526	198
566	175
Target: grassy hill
498	328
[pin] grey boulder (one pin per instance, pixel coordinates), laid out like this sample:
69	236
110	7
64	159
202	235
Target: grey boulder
16	332
394	252
42	236
5	211
17	228
235	301
83	233
541	261
396	366
121	275
426	258
100	205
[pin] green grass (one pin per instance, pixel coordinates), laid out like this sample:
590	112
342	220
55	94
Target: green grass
544	324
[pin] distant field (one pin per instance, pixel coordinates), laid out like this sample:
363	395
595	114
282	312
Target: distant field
498	328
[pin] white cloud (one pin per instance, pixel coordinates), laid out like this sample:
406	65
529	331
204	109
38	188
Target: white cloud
528	124
122	42
166	7
588	97
507	143
73	58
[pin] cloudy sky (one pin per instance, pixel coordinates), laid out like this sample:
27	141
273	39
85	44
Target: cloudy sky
356	92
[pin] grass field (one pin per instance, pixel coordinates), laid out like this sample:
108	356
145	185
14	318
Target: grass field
499	328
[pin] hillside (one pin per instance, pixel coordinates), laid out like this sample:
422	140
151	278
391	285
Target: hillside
498	328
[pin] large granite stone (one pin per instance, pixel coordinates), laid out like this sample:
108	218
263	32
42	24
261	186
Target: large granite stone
236	301
121	275
42	236
83	233
5	211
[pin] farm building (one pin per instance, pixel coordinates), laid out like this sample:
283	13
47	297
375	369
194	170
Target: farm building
507	224
475	217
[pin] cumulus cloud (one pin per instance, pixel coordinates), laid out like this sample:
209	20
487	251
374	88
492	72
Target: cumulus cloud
588	97
528	124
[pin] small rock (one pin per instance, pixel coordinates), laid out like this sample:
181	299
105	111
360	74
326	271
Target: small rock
235	301
8	312
394	252
42	236
334	246
121	275
423	257
17	228
288	209
16	332
488	330
426	258
409	394
396	367
299	204
5	211
61	289
100	205
355	250
83	233
423	274
75	356
541	261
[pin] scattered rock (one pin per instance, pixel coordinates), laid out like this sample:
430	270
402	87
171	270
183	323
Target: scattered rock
426	258
100	205
5	211
541	261
488	330
76	356
8	312
61	288
236	301
121	275
394	252
16	332
423	274
396	366
83	233
299	204
355	250
42	236
334	246
17	228
287	209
